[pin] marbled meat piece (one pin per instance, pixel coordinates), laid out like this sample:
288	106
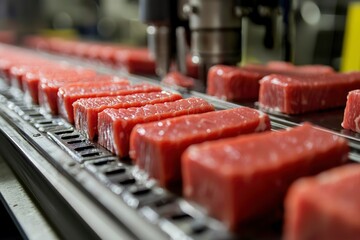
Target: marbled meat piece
352	112
50	83
252	173
31	80
69	93
233	83
285	68
137	61
324	207
242	83
157	147
294	95
115	125
86	110
178	79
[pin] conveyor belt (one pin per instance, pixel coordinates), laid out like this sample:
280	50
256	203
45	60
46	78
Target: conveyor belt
86	191
89	193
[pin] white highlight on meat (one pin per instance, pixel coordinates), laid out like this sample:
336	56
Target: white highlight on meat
262	125
275	81
141	131
220	72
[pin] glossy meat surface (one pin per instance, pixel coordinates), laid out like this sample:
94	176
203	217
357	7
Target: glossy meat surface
293	95
351	119
178	79
157	147
252	173
324	207
68	94
115	126
86	110
233	83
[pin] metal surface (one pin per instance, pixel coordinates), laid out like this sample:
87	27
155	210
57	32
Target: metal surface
215	33
158	43
31	224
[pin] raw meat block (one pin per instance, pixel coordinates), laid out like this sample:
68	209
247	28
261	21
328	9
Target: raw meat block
115	125
252	173
137	61
238	84
36	42
93	51
352	112
108	54
86	110
31	82
48	88
294	95
284	68
157	147
69	93
178	79
279	65
81	48
324	207
192	68
233	83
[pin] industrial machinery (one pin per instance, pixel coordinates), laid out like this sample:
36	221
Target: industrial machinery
213	30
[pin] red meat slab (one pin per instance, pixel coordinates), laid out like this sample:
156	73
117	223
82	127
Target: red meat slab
157	147
18	72
178	79
294	95
86	110
137	61
324	207
31	81
252	173
69	93
50	83
233	83
239	84
192	68
115	125
284	68
352	112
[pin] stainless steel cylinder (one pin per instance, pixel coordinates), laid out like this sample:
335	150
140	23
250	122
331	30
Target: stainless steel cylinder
212	14
158	43
217	46
215	32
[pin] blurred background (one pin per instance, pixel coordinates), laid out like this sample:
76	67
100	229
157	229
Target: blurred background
319	24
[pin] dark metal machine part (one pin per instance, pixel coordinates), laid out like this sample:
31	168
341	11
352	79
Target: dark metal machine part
212	30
